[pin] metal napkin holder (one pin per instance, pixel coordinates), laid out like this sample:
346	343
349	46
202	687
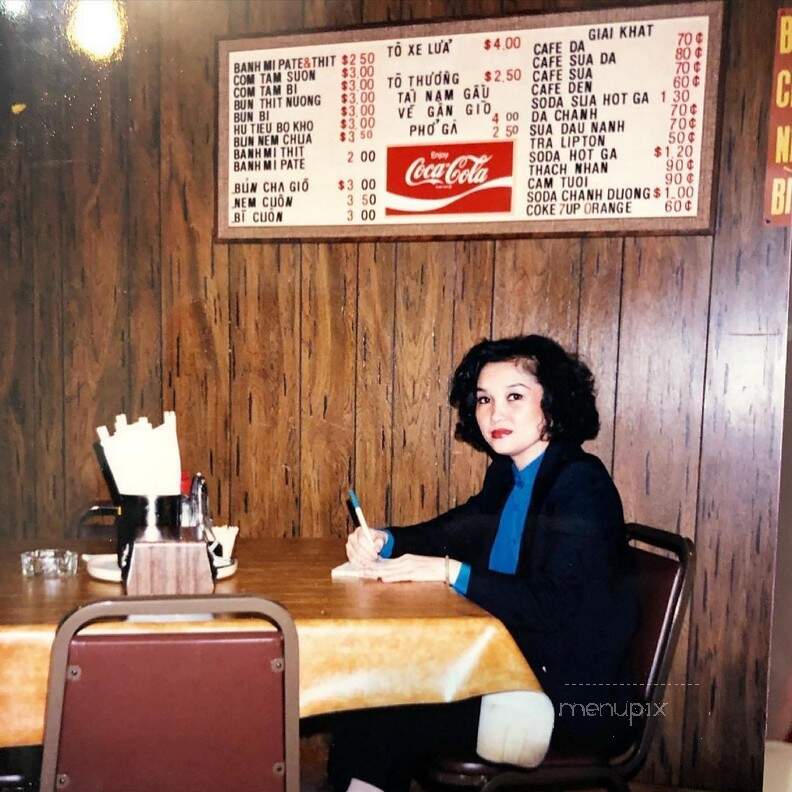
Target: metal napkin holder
158	553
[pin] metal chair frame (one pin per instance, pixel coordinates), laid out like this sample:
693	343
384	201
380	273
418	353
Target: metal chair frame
158	606
480	775
90	525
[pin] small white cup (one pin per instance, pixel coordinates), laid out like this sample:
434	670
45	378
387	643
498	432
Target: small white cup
226	536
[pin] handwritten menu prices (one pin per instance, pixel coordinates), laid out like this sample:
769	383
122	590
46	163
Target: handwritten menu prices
463	127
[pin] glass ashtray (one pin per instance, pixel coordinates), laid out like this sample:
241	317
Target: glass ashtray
49	563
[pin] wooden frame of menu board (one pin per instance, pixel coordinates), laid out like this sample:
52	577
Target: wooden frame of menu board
575	123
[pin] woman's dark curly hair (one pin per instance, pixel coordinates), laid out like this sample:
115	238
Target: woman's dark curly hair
568	402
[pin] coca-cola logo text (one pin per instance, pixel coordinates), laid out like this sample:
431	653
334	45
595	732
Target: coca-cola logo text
473	177
465	169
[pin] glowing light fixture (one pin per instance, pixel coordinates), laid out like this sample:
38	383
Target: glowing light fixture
14	8
97	28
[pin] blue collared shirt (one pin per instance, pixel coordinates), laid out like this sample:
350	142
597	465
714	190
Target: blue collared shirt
506	548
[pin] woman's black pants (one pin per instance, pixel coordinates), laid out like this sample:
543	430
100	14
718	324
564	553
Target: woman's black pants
385	746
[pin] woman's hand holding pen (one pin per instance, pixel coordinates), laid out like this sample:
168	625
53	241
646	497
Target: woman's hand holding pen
363	551
418	568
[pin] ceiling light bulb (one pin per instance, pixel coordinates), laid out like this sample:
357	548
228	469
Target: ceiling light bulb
97	28
14	8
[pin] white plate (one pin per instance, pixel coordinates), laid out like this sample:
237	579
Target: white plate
105	567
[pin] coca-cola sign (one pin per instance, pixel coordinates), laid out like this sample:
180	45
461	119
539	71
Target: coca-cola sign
454	178
465	169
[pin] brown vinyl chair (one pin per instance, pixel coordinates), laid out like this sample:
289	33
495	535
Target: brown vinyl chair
159	710
97	521
664	584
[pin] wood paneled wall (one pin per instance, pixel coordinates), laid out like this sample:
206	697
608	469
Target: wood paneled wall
297	370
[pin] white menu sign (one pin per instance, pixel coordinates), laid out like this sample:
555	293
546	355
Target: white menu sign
566	123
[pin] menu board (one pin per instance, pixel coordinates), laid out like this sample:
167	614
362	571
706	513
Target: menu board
566	123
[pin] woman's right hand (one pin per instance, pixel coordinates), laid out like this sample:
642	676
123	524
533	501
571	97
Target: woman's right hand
361	550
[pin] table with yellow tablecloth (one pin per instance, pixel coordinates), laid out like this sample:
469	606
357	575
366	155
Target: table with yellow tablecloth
362	643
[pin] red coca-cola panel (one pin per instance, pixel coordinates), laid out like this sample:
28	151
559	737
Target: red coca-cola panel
452	178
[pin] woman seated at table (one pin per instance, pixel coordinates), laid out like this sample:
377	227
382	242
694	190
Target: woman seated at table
541	546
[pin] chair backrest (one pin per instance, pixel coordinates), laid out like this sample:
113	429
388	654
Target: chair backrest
664	584
97	521
167	709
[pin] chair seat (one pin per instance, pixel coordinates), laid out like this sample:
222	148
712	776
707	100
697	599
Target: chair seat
473	773
475	766
456	771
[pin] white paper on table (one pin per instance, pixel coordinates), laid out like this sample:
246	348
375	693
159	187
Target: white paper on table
349	570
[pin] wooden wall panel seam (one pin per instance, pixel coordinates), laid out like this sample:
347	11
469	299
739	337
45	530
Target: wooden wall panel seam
576	350
697	583
357	360
618	357
160	210
389	493
33	467
450	417
126	265
24	165
230	385
300	428
160	41
62	339
493	279
390	499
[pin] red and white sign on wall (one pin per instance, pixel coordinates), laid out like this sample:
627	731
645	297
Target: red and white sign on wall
778	179
455	178
585	121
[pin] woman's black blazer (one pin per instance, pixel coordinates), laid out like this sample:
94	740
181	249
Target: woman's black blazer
570	606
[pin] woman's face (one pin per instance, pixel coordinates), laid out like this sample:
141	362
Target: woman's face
509	411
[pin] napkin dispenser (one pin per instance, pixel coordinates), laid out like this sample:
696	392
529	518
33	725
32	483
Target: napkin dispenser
163	542
152	519
170	560
159	552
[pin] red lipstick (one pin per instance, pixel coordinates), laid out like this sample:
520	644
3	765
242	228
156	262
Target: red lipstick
496	434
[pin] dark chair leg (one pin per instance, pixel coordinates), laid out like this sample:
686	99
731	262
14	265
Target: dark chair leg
513	782
20	768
